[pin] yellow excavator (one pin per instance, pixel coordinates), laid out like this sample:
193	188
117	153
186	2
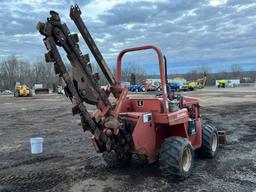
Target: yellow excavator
197	84
201	82
22	90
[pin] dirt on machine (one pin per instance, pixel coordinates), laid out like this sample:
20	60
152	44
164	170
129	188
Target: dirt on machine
166	129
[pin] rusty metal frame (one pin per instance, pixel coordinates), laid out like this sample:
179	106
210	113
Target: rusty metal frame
161	66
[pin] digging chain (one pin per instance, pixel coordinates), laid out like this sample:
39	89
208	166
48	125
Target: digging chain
84	86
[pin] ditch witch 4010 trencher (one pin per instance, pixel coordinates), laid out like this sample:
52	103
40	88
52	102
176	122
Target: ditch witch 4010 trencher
154	129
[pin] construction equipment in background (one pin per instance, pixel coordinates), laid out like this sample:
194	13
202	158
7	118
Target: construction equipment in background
222	83
154	129
197	84
201	82
176	86
39	89
136	88
151	85
22	90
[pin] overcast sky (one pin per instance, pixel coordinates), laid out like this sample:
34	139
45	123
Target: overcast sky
191	33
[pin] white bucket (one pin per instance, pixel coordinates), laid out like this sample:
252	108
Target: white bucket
36	145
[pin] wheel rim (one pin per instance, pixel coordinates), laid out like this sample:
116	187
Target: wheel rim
214	142
186	159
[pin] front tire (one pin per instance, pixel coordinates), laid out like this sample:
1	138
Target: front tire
210	141
176	157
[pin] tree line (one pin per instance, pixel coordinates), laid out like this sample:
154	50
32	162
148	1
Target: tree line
13	69
235	72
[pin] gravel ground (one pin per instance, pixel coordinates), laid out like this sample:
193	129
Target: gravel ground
70	163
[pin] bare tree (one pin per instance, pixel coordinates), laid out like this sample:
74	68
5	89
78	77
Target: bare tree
133	79
204	69
9	70
236	70
13	70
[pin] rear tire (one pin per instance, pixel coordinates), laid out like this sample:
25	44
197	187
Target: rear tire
113	161
176	157
210	141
